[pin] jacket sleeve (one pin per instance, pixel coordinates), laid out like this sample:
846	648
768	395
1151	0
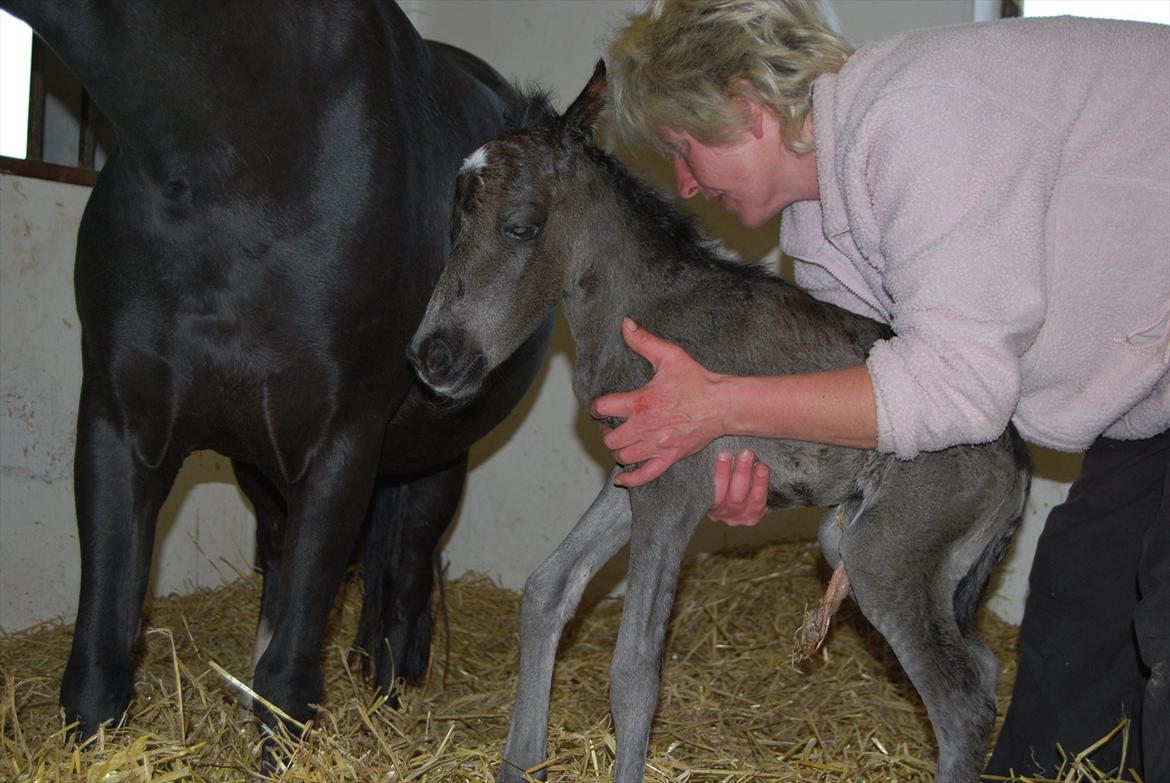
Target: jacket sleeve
950	190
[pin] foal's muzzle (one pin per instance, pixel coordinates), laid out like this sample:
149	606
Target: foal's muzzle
446	364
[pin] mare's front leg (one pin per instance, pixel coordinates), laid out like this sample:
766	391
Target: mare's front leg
124	467
551	595
665	514
326	507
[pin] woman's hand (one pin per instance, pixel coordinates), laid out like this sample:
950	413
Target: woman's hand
673	416
741	489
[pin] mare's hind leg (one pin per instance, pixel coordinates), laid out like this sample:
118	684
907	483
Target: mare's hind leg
271	512
551	595
899	565
664	517
406	520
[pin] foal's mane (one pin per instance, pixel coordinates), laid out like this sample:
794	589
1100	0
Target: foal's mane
533	110
679	230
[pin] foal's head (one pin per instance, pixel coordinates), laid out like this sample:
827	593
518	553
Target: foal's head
512	235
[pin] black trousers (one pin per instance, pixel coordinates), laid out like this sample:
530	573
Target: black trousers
1095	637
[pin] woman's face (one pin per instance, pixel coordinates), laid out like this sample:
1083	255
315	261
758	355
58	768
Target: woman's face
753	176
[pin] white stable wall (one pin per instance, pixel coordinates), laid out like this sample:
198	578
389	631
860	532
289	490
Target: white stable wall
530	479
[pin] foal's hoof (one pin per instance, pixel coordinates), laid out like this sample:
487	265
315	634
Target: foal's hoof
509	773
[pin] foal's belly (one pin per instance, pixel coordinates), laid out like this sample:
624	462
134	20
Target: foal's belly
809	474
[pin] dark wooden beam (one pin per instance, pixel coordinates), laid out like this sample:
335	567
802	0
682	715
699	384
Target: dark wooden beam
50	171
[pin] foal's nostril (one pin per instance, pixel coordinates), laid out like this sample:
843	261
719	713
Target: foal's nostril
433	359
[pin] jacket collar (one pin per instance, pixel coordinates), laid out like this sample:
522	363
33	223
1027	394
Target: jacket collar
833	217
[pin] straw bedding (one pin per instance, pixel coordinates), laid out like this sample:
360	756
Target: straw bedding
737	705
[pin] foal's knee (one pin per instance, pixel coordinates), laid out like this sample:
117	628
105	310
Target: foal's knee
545	605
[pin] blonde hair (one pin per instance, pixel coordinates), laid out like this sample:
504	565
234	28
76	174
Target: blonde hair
681	64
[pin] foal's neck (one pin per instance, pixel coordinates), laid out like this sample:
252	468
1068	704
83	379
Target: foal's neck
631	268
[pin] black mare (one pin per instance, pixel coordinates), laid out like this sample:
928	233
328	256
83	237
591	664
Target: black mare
250	266
543	217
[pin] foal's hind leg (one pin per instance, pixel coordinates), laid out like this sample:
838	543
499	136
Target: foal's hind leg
903	582
551	595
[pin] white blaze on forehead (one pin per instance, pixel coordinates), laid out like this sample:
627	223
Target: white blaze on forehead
476	160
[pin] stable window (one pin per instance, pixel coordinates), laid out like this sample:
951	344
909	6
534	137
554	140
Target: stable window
1130	10
49	127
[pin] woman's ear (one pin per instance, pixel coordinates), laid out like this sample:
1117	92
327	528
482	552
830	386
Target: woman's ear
753	111
756	115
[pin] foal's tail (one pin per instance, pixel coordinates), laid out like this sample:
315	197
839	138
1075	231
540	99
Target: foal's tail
1006	517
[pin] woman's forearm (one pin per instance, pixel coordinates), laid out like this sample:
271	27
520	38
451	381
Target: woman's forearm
836	407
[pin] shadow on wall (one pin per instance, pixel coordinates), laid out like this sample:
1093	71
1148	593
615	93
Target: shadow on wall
204	473
1054	465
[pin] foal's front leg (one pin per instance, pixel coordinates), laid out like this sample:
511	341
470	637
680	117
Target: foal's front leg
664	518
551	595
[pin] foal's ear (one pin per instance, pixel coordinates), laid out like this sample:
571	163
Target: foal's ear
581	117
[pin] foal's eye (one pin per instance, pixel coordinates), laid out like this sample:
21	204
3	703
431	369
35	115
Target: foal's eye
524	222
520	232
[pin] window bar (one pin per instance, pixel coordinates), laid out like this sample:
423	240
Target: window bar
86	144
36	103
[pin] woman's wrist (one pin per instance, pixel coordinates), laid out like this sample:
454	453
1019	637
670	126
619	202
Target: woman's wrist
737	415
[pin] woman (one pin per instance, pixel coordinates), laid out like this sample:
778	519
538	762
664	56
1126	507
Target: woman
1000	195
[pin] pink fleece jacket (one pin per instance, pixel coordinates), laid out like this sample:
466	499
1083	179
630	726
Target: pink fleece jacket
1000	195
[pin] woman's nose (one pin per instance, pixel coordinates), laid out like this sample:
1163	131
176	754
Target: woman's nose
687	186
